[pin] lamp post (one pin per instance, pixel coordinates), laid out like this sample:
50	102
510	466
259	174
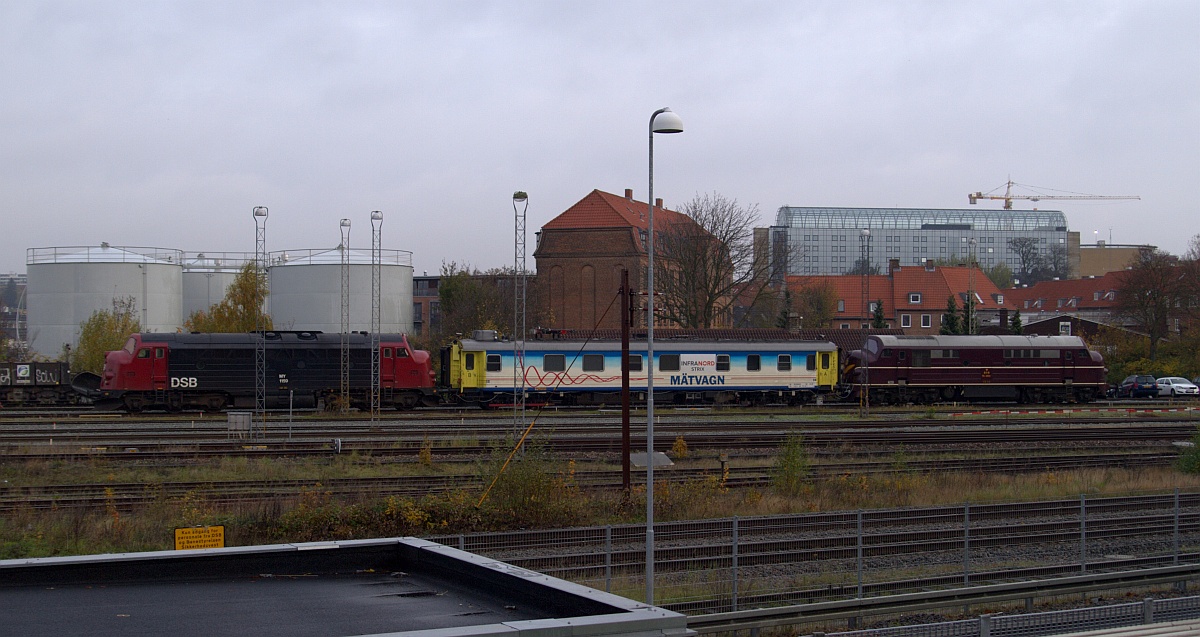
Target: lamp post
344	407
970	304
260	321
376	307
662	121
864	237
518	337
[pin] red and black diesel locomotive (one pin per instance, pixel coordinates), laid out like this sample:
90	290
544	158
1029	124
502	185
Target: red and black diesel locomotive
929	369
218	371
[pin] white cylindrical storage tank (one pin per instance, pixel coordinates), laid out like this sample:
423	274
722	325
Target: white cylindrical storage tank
69	284
306	290
207	276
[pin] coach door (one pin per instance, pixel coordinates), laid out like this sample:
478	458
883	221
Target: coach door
387	366
1068	364
158	367
901	367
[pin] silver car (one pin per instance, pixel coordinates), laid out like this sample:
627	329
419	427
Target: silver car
1176	386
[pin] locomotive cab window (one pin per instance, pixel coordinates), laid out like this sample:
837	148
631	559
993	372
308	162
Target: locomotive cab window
785	363
635	362
668	363
387	352
493	362
401	352
143	353
753	363
160	352
593	362
920	358
722	362
554	363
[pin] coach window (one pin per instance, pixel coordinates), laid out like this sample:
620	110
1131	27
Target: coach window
554	363
493	362
824	360
810	363
785	363
593	362
668	363
635	362
722	362
143	353
753	363
469	362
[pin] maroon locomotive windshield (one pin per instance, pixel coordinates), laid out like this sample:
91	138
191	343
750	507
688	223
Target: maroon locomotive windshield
872	347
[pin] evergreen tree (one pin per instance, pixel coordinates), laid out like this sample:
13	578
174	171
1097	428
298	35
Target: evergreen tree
950	320
1014	325
877	320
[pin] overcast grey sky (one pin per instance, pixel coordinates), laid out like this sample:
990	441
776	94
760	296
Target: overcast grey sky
163	123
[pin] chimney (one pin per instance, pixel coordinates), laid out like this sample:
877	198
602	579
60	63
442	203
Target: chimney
629	194
658	202
1004	318
893	266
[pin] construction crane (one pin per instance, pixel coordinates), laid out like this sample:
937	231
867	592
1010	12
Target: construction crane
1008	196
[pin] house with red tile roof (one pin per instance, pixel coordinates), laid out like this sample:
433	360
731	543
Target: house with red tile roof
580	255
914	298
1091	298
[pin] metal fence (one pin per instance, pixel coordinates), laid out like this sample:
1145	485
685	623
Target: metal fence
1049	623
733	564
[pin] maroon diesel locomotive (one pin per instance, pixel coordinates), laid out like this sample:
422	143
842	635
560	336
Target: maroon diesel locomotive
217	371
1023	369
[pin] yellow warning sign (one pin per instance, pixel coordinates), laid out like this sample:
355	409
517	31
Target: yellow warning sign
200	537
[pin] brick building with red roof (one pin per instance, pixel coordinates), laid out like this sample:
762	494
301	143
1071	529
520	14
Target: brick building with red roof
913	297
1091	298
580	255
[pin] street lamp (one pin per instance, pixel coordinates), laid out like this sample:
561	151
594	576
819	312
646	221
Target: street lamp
376	307
520	198
970	304
259	214
662	121
344	226
864	236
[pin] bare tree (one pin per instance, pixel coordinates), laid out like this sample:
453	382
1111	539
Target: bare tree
708	262
1057	262
1152	290
1028	256
815	303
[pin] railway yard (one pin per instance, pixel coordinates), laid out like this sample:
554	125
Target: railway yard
1131	508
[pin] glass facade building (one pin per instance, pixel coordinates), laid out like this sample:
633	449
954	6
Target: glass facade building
828	240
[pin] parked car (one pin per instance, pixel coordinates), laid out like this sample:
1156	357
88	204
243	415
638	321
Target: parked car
1138	386
1176	386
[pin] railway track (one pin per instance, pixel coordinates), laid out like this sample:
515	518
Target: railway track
130	496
